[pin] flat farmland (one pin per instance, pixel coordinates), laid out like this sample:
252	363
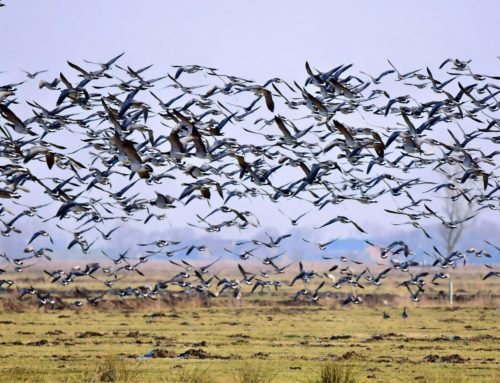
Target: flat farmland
288	340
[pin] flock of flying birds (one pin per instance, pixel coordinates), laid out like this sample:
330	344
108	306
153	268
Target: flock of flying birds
117	140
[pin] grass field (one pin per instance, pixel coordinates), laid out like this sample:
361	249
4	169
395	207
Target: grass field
221	340
290	343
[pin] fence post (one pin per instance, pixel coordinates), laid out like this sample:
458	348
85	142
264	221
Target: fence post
450	292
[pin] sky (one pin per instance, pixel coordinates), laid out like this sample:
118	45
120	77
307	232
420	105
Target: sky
258	39
253	39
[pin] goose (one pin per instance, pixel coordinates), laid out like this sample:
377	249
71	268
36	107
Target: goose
269	260
376	279
26	291
107	236
404	315
43	233
493	273
350	299
247	280
279	270
321	246
14	121
204	269
342	219
34	74
414	296
295	221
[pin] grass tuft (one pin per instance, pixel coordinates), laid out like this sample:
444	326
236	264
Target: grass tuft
253	373
335	372
111	369
194	375
19	374
439	376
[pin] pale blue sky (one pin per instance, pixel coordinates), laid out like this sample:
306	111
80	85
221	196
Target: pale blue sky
258	39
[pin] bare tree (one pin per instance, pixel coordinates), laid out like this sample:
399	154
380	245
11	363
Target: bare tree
455	209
